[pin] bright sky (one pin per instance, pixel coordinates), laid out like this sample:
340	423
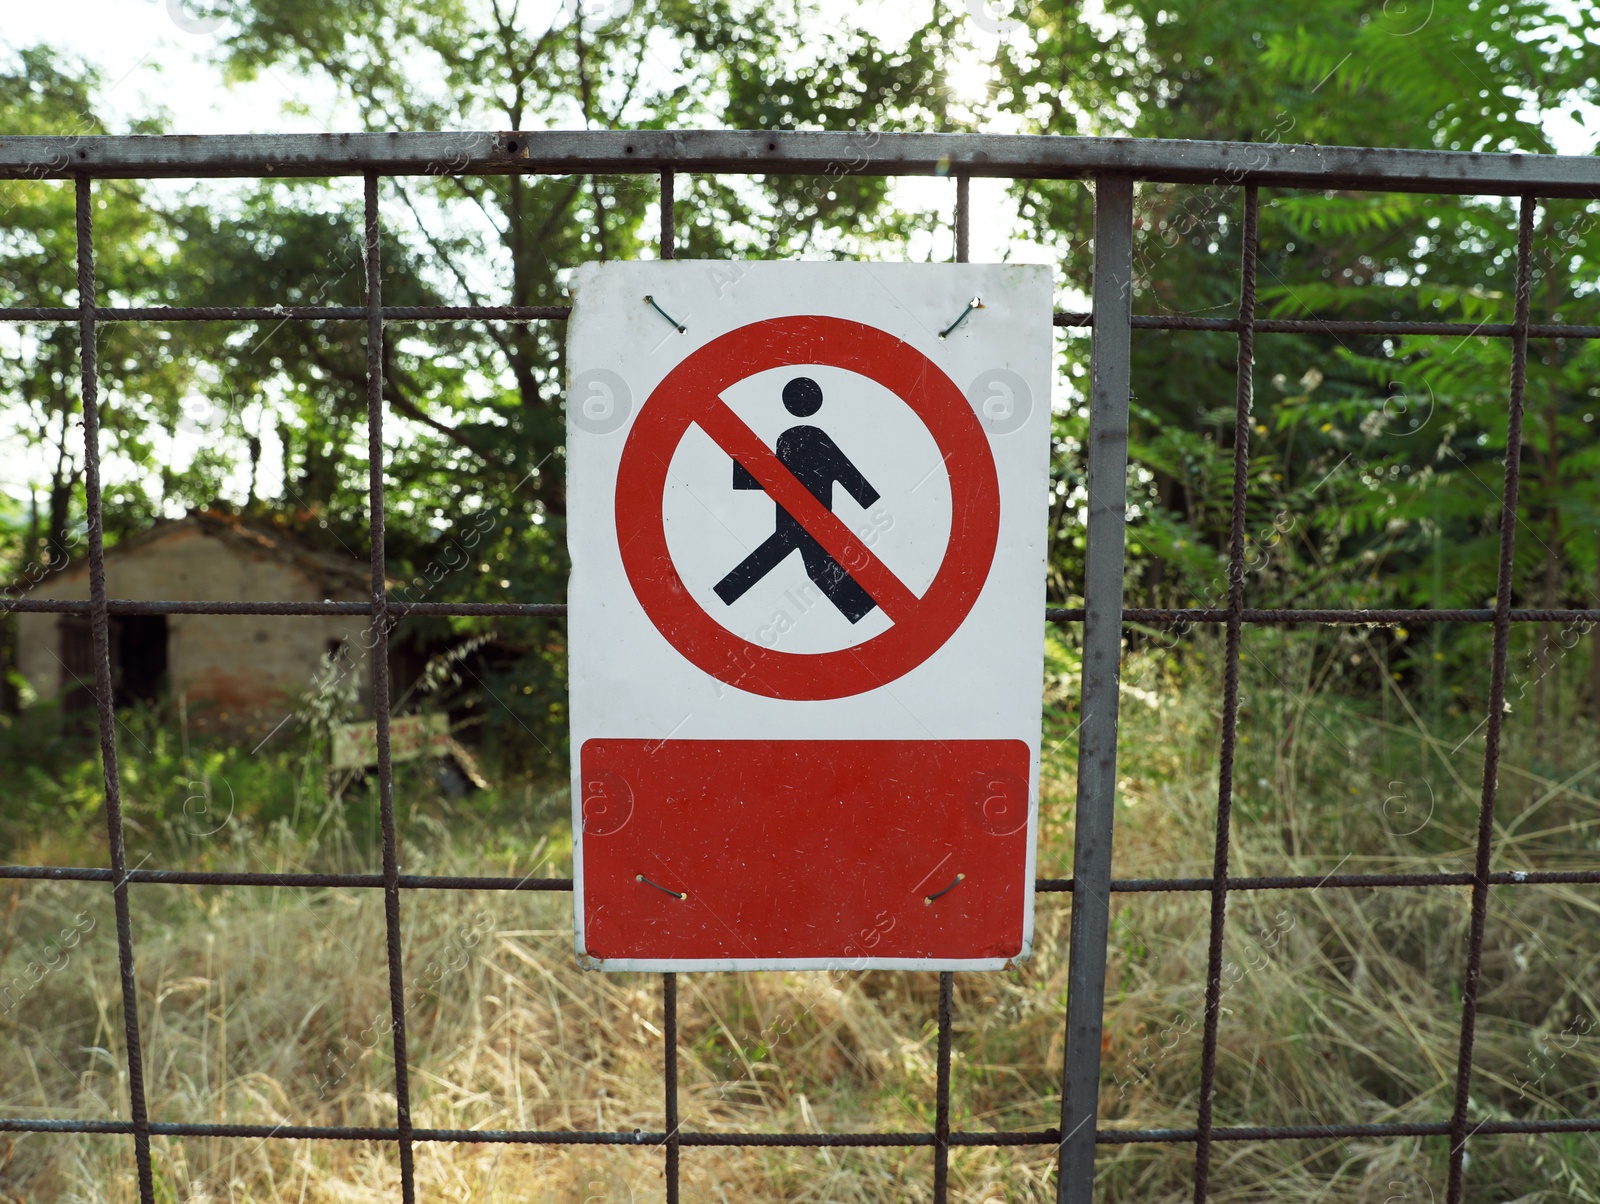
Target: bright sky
156	57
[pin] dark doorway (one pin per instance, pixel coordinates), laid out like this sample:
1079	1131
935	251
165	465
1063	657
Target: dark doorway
138	647
76	654
138	658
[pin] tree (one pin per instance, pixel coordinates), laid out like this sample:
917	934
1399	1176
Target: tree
143	372
1381	454
481	406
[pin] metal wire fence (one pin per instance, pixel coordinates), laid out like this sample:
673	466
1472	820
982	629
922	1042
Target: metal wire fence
1113	166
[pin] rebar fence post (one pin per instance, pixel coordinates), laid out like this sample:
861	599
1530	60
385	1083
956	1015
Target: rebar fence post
669	1084
101	630
669	982
946	1019
941	1090
1098	707
963	218
1494	722
380	687
669	216
1243	397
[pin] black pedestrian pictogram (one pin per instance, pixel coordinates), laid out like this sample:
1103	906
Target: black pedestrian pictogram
817	463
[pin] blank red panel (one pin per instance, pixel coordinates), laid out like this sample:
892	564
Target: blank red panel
804	848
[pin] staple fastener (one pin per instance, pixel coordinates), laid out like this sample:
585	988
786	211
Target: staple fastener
975	303
664	890
681	328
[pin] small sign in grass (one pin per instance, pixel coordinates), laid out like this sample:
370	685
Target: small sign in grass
411	737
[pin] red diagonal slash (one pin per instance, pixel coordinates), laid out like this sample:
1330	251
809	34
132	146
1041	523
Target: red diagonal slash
733	436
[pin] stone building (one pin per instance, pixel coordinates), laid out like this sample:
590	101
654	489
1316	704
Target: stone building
229	670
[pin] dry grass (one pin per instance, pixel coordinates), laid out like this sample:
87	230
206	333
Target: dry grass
267	1006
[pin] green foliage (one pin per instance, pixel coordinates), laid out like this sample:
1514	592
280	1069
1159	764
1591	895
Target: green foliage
1376	461
480	463
207	801
143	372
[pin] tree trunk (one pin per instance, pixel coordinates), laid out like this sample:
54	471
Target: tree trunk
62	480
1547	664
57	549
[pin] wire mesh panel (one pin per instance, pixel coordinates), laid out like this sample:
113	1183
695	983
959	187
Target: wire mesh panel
1114	167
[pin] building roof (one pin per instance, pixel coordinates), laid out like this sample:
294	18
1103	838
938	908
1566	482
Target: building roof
333	574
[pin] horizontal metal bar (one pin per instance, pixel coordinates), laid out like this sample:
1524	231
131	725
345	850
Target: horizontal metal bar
557	610
1134	614
560	313
291	313
1498	330
1333	881
55	873
1340	1132
59	873
519	610
640	1137
636	1137
757	152
820	1140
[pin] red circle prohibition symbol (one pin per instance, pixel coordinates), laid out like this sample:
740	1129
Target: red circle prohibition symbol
691	394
